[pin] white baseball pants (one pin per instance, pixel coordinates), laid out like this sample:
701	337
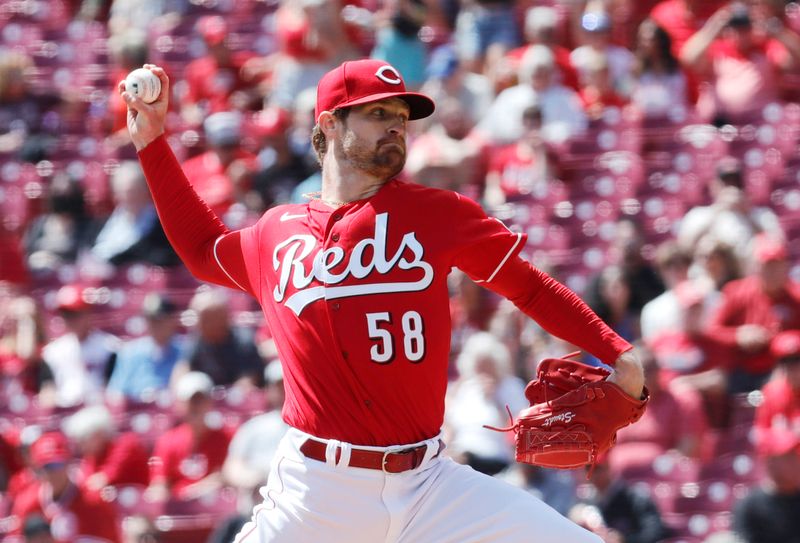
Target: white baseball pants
308	501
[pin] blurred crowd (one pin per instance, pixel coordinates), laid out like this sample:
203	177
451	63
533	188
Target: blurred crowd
647	148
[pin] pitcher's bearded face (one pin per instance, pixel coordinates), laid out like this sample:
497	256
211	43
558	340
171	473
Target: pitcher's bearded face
373	138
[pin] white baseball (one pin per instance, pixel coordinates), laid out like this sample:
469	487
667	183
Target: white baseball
143	84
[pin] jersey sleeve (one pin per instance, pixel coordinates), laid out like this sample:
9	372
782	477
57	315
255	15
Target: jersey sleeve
206	246
482	244
557	309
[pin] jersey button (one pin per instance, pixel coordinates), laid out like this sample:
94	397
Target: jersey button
337	217
336	306
335	237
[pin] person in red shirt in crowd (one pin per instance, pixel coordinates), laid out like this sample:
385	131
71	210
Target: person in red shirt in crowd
781	405
313	36
768	514
223	174
597	90
10	461
522	169
541	26
742	63
187	460
72	511
752	311
220	80
690	358
23	371
108	458
682	18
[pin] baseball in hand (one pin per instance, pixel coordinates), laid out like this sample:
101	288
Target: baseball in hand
143	84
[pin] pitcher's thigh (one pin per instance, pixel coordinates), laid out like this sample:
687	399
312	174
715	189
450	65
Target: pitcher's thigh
465	506
309	502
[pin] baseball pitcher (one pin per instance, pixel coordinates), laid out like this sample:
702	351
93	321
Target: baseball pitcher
353	288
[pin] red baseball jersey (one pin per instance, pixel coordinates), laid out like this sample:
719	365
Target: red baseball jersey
180	459
356	298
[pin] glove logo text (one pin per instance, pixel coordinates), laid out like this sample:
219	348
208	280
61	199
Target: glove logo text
565	417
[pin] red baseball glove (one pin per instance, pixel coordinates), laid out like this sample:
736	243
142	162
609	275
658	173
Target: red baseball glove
574	415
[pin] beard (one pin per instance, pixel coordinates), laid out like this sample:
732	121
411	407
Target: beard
384	160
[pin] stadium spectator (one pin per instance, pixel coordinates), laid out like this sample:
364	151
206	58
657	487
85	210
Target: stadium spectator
730	217
562	114
659	84
447	155
72	511
780	408
280	166
62	230
145	365
218	81
715	265
22	368
397	39
523	169
616	511
449	78
251	451
139	529
485	30
108	457
25	476
132	232
223	173
541	27
225	353
312	38
613	301
673	423
625	251
597	92
681	19
255	442
596	38
768	514
83	358
127	15
486	384
187	459
663	313
752	311
742	69
689	357
26	128
36	529
10	461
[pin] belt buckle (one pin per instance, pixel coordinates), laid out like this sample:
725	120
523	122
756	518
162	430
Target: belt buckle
387	452
385	458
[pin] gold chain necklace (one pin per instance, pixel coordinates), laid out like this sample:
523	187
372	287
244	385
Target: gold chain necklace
317	195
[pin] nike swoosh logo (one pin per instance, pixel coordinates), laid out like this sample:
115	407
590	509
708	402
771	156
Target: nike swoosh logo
288	216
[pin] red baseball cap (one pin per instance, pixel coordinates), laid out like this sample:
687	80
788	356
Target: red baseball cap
50	448
213	28
778	442
70	298
363	81
270	122
766	248
785	344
